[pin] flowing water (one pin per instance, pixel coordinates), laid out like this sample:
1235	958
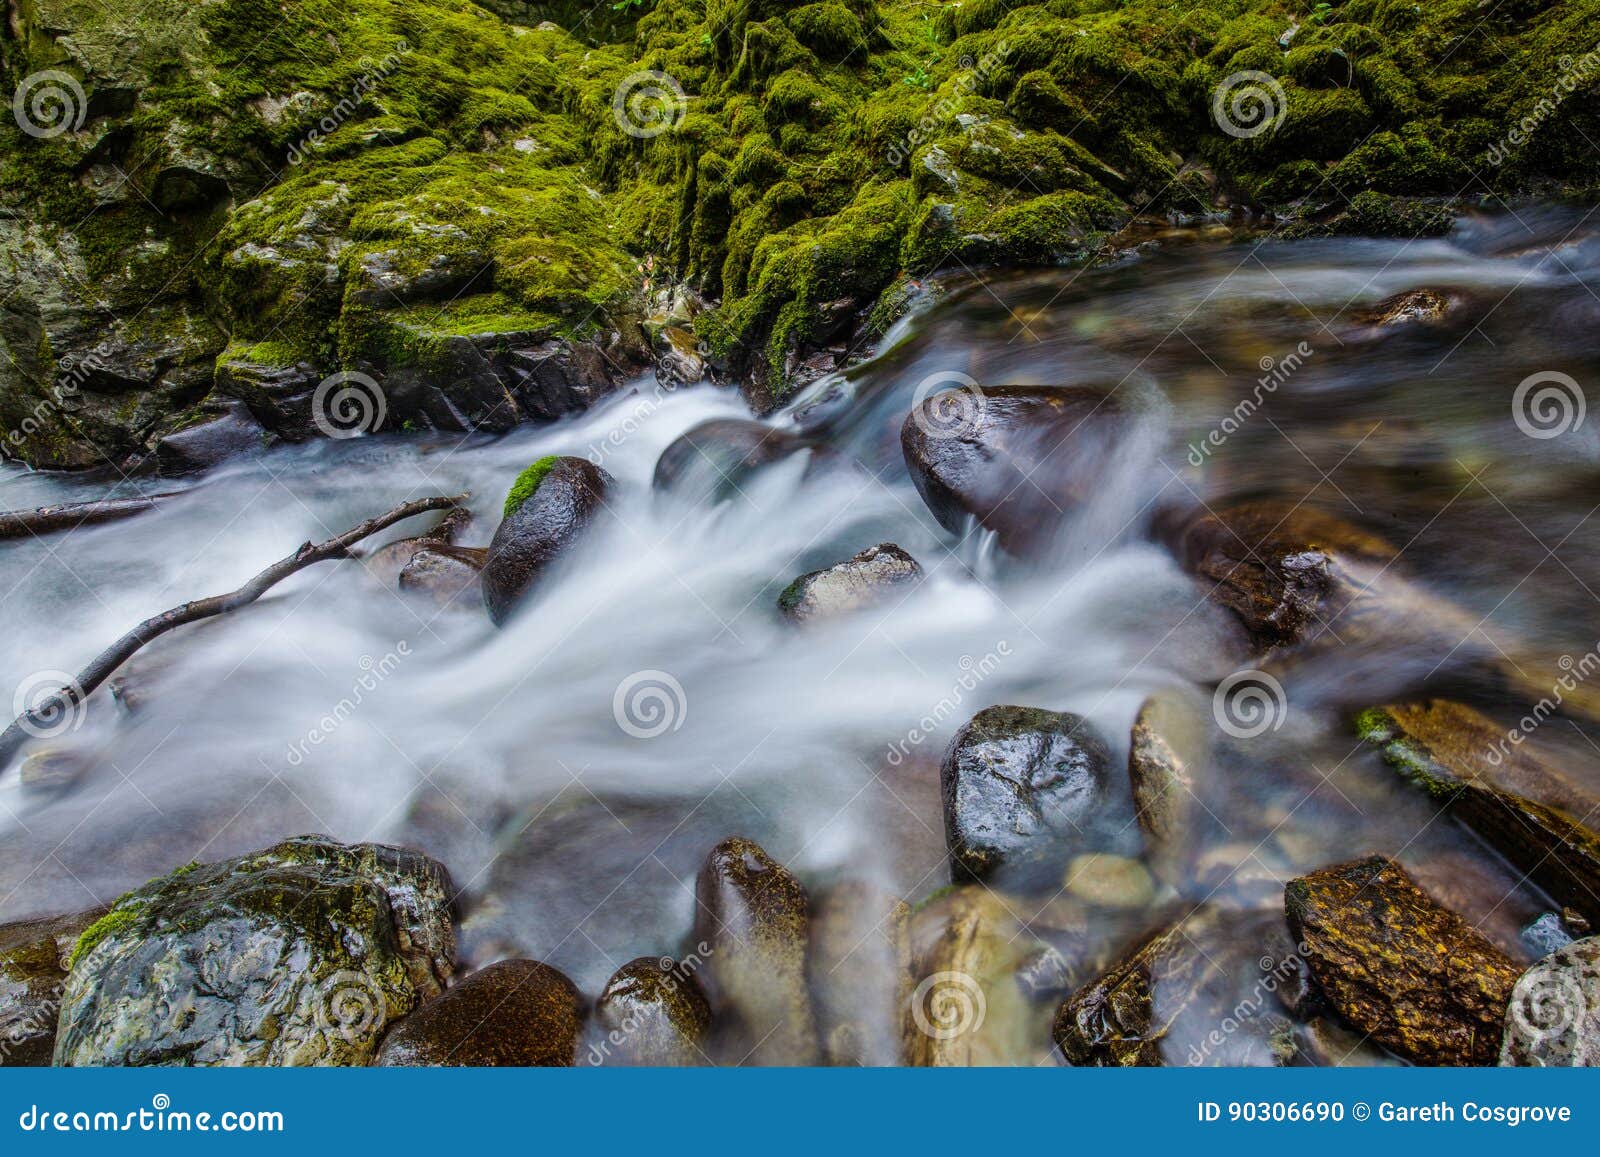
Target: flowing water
652	677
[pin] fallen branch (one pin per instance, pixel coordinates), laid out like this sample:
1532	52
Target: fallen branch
67	699
71	515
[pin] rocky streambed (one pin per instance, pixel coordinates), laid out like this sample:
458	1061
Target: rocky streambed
1021	696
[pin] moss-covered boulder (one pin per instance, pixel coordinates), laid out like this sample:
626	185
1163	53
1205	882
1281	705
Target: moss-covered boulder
513	1013
1199	992
1015	458
548	510
652	1012
1414	976
301	954
756	918
1023	790
34	957
1499	787
863	580
1554	1015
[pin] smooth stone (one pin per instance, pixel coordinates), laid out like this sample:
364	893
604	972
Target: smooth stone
445	575
711	461
512	1013
755	916
1015	458
860	968
546	525
231	433
1021	786
1398	966
386	563
864	579
301	954
1553	1018
653	1012
1169	742
1108	881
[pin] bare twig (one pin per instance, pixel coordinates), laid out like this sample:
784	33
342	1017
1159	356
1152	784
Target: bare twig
70	515
105	664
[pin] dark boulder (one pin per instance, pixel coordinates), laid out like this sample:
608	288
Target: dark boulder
230	432
514	1013
652	1012
551	506
446	575
712	460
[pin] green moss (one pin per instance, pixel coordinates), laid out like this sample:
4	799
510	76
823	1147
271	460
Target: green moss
124	915
527	482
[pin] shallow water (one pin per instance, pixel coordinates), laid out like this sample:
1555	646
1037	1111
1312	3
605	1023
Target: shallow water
337	705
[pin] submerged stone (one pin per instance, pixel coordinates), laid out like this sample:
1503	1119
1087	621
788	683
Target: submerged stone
861	581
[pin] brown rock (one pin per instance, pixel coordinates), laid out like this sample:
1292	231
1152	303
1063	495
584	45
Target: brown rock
1415	976
33	971
1169	742
447	575
652	1012
516	1012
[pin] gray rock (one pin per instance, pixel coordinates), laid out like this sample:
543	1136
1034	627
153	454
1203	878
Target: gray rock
301	954
860	581
547	522
712	461
447	575
1547	934
514	1013
1021	788
1553	1018
232	432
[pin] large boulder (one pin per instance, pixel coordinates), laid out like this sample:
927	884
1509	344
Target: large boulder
513	1013
34	956
1397	966
1015	458
301	954
1554	1015
1022	789
551	506
756	919
861	581
652	1012
1522	806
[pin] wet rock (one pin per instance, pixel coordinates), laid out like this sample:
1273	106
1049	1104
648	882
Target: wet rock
558	499
1412	307
1169	743
652	1012
860	970
514	1013
679	361
1108	881
860	581
755	917
1015	458
1547	934
967	1006
1394	964
53	770
33	971
296	955
712	460
231	432
1021	786
1198	992
448	575
1553	1018
1504	792
386	563
278	396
